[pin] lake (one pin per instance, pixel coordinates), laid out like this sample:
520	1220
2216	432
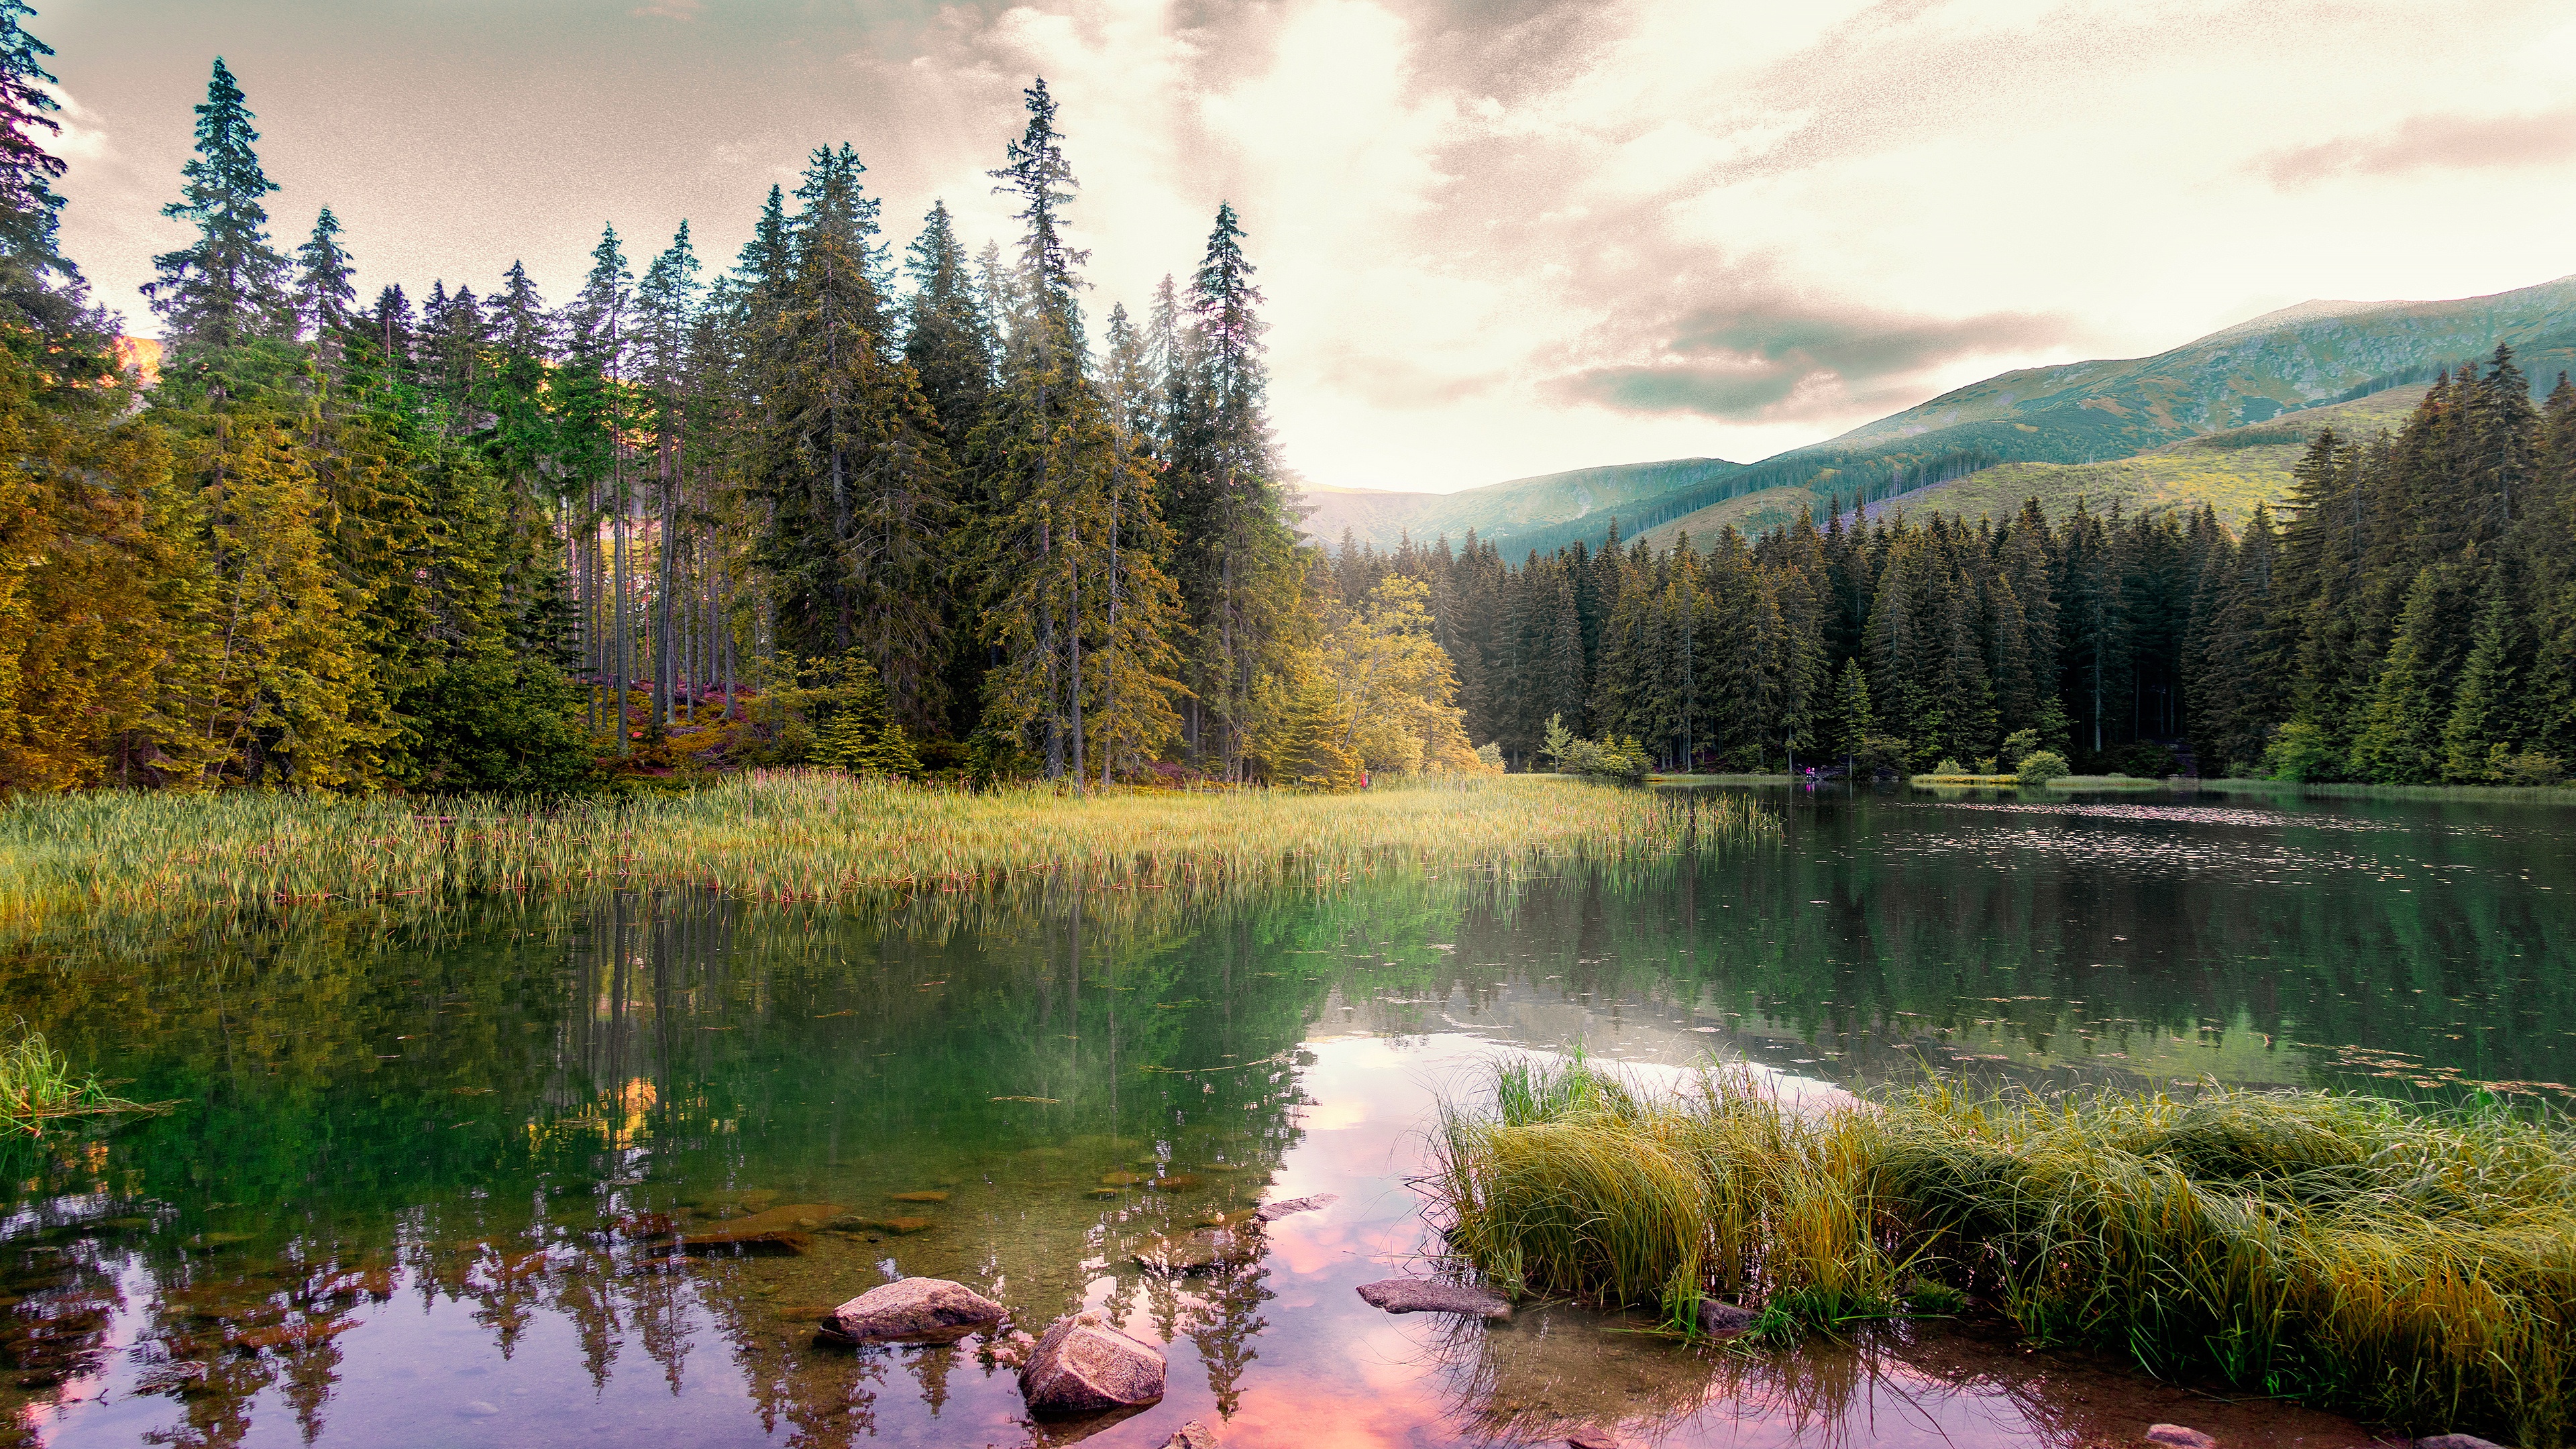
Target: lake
421	1181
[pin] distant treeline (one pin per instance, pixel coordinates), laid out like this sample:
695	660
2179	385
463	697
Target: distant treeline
2413	620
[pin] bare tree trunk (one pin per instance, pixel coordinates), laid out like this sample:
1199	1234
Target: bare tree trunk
1073	646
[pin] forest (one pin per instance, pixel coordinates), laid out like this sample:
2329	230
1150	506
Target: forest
922	515
829	506
2409	618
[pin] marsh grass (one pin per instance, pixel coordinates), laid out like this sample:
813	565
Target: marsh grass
2415	1266
799	836
38	1086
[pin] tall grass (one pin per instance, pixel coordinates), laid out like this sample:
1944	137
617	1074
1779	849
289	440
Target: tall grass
806	836
2417	1267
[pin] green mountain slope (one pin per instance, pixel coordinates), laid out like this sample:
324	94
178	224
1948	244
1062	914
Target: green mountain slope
2291	362
2230	471
1381	519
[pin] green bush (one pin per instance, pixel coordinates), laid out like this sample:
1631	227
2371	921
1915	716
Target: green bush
2018	746
2300	752
2041	766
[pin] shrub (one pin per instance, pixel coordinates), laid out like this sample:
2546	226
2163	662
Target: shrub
1949	766
2300	752
2018	746
2041	766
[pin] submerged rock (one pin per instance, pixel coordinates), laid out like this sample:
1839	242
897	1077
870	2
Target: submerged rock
912	1310
1177	1182
785	1229
1589	1437
2456	1441
1083	1366
1723	1320
1273	1212
1430	1295
2175	1436
916	1197
1192	1435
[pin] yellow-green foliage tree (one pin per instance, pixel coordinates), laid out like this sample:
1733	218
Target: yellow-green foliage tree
94	628
1397	688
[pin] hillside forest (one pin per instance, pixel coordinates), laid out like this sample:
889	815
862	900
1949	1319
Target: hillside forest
921	513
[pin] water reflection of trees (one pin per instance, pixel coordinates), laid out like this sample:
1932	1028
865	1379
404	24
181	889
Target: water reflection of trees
502	1117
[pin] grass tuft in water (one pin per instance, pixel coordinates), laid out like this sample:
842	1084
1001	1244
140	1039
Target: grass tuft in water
38	1085
2416	1267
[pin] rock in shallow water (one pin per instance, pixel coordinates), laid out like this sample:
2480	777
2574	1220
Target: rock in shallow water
1082	1366
1273	1212
1430	1295
1589	1437
2175	1436
914	1310
2456	1441
1192	1435
1723	1320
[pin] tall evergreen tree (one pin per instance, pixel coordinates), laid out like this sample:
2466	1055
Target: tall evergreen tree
227	287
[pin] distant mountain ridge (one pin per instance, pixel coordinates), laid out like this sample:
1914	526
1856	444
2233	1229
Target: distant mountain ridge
2313	354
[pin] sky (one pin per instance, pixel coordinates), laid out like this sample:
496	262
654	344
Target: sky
1498	238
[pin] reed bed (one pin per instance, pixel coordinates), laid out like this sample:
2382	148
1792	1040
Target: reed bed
799	836
2415	1267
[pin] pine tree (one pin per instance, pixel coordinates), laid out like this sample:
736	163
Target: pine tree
2401	732
2480	732
1854	722
1236	562
227	287
323	296
35	277
948	339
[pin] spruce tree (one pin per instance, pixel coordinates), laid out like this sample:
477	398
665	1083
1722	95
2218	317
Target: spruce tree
948	340
32	265
324	298
227	287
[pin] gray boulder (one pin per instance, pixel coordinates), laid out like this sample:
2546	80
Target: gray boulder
913	1310
1723	1320
1430	1295
1081	1365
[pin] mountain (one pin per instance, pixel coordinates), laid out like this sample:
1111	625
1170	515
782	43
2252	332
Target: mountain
2230	470
1381	518
2315	355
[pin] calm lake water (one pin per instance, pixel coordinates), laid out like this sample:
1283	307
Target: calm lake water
418	1188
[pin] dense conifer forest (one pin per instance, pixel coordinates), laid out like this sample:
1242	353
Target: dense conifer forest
826	505
2412	620
918	511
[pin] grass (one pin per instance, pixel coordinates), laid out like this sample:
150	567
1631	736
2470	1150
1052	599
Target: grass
1953	781
38	1086
802	836
2106	782
2492	794
2418	1267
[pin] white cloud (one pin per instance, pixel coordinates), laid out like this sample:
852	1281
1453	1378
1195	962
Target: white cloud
1499	237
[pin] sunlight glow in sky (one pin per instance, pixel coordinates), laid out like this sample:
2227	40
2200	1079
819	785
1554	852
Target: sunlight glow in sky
1499	237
